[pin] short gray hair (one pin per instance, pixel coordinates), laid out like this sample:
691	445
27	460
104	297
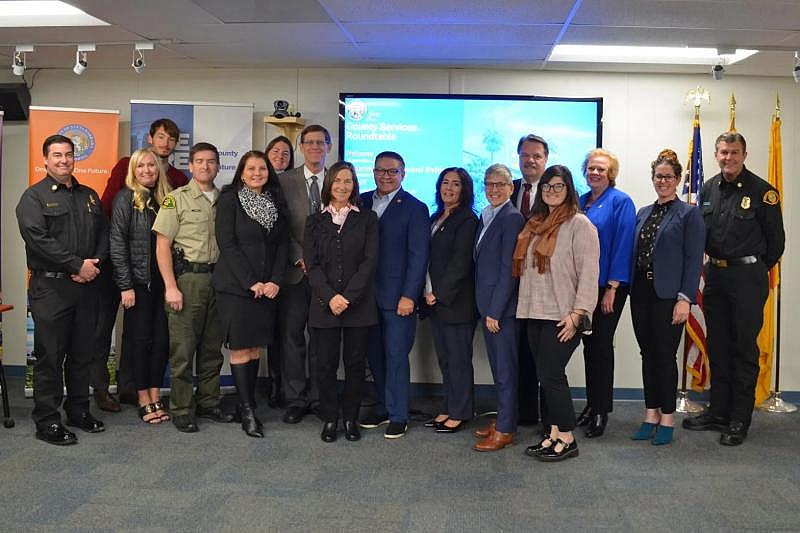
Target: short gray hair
499	169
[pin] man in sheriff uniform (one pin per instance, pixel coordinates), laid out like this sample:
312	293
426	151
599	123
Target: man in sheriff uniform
66	244
744	239
186	251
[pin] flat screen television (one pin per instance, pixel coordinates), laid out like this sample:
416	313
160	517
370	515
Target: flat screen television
436	131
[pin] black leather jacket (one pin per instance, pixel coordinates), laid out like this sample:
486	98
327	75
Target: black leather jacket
132	241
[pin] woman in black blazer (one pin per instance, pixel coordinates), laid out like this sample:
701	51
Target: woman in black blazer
253	237
132	251
341	253
450	295
667	260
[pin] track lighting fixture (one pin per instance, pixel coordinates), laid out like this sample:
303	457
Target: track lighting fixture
796	70
138	63
82	58
18	64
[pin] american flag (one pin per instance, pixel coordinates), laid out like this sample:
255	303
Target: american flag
694	344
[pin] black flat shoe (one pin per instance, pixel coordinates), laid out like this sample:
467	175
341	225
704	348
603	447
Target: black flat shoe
585	417
184	423
551	455
351	431
442	428
433	423
56	434
705	422
294	414
214	413
597	426
536	449
87	423
328	432
734	434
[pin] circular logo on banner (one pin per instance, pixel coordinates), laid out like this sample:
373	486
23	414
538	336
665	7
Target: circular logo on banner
81	137
356	110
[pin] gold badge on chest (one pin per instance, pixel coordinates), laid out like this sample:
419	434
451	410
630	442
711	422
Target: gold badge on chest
745	202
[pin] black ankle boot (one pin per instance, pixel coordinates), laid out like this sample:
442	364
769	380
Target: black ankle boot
250	424
596	426
585	417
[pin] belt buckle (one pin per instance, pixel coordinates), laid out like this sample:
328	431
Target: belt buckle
649	274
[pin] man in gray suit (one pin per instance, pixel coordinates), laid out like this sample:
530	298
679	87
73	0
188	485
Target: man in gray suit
301	187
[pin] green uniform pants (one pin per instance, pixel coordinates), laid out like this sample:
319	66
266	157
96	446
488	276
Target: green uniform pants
195	329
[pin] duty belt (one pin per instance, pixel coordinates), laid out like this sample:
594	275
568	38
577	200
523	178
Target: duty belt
725	263
49	274
198	268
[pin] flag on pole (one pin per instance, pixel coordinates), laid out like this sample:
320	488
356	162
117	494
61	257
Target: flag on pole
694	343
766	337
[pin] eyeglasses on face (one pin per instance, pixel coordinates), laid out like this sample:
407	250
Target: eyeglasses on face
553	187
494	184
664	177
391	172
315	143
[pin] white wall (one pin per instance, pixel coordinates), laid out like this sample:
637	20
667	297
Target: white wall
643	113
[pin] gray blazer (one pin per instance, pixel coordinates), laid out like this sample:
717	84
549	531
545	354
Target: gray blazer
293	184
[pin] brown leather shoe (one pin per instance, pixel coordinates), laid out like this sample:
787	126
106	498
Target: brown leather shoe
484	432
495	441
106	402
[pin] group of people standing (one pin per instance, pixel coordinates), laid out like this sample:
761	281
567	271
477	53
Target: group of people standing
282	251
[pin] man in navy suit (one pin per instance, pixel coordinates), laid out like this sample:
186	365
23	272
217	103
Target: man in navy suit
399	279
533	152
496	297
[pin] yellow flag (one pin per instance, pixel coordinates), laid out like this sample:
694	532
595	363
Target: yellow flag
766	337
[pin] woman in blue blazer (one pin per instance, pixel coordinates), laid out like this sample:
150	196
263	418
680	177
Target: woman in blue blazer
667	260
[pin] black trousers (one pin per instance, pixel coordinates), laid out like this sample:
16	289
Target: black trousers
598	353
148	337
532	403
551	357
325	344
108	304
658	342
65	319
733	300
297	358
453	343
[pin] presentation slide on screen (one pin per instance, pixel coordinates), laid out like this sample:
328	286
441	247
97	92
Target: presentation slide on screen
435	133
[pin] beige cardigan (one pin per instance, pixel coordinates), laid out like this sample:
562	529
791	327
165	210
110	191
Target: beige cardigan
572	276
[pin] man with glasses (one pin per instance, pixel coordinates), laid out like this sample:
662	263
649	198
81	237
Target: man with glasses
533	152
399	279
301	187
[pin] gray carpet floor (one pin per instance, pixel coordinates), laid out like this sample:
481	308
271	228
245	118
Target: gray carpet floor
135	477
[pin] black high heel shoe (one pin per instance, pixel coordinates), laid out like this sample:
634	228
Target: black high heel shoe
442	428
597	426
351	431
585	417
328	432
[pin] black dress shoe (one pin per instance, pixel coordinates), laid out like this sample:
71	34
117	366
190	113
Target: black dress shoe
214	413
551	455
705	422
585	417
734	435
351	431
106	402
184	423
432	423
56	434
294	414
442	428
86	422
328	432
596	426
536	449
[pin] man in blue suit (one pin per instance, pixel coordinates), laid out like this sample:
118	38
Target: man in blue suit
399	279
496	297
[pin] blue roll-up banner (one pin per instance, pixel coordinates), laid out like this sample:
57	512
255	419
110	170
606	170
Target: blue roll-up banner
229	127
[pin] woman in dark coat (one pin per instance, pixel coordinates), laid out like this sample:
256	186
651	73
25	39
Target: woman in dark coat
450	295
253	241
341	254
136	274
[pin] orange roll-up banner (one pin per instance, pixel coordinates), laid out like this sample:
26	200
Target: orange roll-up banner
95	133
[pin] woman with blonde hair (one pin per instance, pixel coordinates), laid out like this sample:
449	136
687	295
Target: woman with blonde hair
136	274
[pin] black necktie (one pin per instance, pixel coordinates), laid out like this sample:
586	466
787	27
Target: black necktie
313	195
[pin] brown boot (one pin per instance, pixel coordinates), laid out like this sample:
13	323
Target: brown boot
106	402
495	441
482	433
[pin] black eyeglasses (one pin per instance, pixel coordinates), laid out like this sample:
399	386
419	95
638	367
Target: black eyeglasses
391	172
554	187
663	177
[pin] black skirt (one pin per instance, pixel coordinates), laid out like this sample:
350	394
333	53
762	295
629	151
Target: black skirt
246	322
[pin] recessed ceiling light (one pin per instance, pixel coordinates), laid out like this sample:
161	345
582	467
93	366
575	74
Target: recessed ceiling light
39	13
578	53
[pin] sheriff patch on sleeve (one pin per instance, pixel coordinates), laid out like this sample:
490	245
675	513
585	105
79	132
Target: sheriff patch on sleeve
169	202
771	197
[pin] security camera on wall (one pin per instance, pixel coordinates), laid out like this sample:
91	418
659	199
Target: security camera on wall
283	109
